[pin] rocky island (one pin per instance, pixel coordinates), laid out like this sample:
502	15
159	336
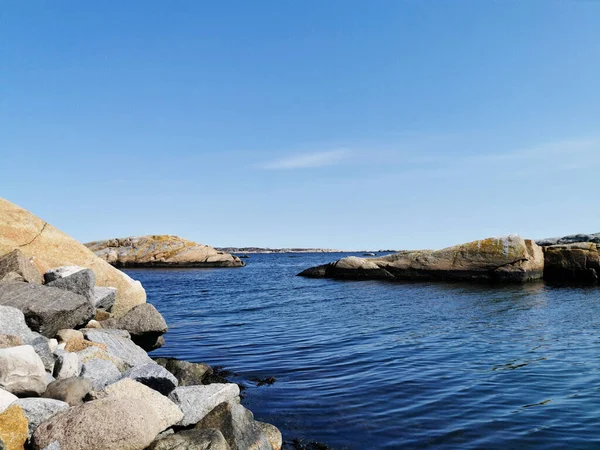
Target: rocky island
74	369
161	251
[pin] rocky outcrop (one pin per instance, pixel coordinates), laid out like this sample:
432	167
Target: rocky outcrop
47	247
570	239
572	263
161	251
507	259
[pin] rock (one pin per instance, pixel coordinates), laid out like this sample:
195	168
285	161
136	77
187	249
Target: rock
102	315
67	365
237	425
93	324
572	263
106	424
161	251
144	323
571	239
8	340
37	410
91	353
110	331
167	411
198	401
12	322
272	434
187	373
13	428
49	378
6	399
47	309
76	345
55	445
16	263
52	344
42	348
70	390
104	297
192	440
154	376
120	347
73	278
22	371
508	259
100	372
50	247
66	335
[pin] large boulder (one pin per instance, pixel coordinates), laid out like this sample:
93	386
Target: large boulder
154	376
70	390
49	247
16	263
237	425
47	309
120	347
22	371
105	424
187	373
572	263
507	259
72	278
161	251
37	410
13	428
197	401
195	439
144	323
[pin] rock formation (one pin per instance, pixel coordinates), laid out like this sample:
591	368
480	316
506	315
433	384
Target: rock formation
161	251
571	239
572	263
507	259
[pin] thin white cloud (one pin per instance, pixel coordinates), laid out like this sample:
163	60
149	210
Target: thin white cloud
308	160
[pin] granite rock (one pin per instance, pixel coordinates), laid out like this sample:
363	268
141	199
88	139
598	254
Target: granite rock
154	376
195	439
100	372
12	322
9	340
144	323
16	263
104	297
37	410
22	371
120	347
13	428
187	373
67	365
72	278
272	434
6	399
197	401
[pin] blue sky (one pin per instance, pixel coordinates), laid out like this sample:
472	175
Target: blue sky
341	124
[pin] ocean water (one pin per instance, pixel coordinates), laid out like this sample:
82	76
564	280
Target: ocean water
379	365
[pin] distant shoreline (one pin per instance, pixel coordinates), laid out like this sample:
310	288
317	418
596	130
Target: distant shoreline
248	250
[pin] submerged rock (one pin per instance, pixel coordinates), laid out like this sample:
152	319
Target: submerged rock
508	259
161	251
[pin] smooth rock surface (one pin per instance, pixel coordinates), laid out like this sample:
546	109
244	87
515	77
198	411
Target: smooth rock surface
70	390
49	247
168	412
15	262
72	278
104	297
47	309
144	323
106	424
197	401
6	399
37	410
238	427
67	365
22	371
187	373
195	439
13	428
120	347
100	372
506	259
161	251
154	376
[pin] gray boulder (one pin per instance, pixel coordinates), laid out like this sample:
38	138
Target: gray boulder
91	353
72	278
209	439
144	323
38	410
22	371
42	347
16	266
197	401
67	365
70	390
154	376
187	373
238	427
105	424
12	322
120	347
100	372
104	297
47	309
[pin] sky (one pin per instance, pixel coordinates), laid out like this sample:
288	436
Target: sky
340	124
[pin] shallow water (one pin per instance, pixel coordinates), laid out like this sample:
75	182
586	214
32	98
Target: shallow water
378	365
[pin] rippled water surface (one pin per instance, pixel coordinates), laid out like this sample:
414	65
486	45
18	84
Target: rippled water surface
377	365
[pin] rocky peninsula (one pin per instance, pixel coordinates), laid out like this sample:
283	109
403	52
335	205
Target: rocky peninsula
75	373
161	251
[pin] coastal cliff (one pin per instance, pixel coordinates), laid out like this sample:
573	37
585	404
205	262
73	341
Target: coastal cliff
161	251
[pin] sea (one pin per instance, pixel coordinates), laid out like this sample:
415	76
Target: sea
388	365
